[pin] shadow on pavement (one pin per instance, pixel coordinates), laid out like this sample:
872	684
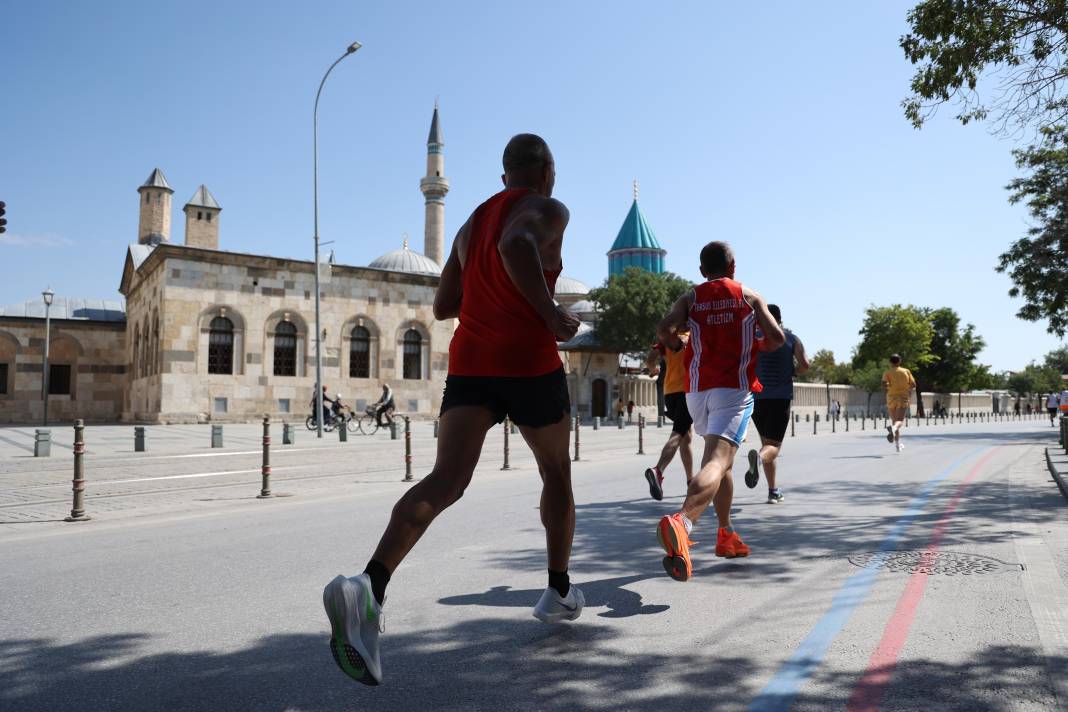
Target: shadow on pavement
485	664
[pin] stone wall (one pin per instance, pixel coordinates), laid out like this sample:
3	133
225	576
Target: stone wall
258	293
94	351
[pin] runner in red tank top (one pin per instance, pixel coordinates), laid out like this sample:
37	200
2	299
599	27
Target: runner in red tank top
723	316
503	361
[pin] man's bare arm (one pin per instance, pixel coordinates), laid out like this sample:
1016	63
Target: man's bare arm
675	319
450	289
800	356
652	362
537	225
773	334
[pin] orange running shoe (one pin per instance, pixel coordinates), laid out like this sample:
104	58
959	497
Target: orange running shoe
671	533
729	545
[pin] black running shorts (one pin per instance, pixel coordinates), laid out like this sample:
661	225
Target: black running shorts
771	416
676	411
531	401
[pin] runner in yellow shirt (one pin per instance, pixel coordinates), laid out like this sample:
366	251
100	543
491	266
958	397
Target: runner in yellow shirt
899	385
676	411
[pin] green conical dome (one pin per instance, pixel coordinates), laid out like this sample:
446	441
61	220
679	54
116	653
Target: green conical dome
635	233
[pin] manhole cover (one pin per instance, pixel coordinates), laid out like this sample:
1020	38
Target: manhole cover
945	563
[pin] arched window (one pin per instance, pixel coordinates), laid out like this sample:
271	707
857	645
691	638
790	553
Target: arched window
413	355
285	349
360	353
221	346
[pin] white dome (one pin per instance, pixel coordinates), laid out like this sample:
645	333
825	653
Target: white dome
567	286
406	260
583	306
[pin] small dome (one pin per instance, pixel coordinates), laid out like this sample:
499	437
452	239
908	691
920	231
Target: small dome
406	260
567	286
583	306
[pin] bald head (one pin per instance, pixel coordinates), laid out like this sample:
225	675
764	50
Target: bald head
528	163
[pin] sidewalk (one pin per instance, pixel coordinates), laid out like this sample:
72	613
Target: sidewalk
1057	461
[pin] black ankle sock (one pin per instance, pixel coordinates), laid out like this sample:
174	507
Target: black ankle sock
560	581
379	578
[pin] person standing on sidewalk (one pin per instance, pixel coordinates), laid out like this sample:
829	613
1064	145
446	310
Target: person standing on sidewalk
771	408
723	317
503	361
676	411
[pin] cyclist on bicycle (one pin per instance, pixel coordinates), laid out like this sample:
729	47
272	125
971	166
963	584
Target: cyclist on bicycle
337	406
327	405
384	406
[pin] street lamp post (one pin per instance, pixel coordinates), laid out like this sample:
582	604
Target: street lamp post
315	200
47	294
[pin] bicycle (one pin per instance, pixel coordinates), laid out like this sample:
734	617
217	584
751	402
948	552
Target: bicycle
311	423
368	422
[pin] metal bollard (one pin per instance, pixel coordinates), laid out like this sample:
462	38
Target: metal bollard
793	422
216	436
506	466
394	432
847	422
833	426
288	433
641	434
139	439
619	423
265	471
42	442
815	422
407	449
435	428
660	421
77	512
342	431
863	421
577	438
596	422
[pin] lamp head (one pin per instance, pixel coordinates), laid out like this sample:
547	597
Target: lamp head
353	47
48	294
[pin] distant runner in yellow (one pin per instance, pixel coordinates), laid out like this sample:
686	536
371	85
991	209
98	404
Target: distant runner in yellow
899	385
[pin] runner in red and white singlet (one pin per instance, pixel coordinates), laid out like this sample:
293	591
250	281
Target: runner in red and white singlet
503	361
722	316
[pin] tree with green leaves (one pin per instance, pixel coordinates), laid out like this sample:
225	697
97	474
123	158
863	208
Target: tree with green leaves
868	377
824	369
952	367
1013	51
904	330
1058	360
631	304
1038	263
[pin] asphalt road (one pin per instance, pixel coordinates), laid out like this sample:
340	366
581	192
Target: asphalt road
927	580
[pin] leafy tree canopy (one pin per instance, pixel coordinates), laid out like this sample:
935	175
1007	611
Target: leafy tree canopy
631	305
1058	360
905	330
824	369
1016	49
1038	263
953	351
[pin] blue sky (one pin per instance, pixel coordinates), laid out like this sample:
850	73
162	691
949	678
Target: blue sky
775	126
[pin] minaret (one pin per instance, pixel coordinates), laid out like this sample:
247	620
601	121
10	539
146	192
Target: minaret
154	226
434	187
202	220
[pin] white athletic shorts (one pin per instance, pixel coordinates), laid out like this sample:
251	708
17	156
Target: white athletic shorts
721	411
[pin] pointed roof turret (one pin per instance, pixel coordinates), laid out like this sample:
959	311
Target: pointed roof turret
203	199
635	233
435	127
157	180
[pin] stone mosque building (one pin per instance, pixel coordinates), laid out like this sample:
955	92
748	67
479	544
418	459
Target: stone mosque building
207	334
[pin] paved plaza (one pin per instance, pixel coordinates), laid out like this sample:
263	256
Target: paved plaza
927	580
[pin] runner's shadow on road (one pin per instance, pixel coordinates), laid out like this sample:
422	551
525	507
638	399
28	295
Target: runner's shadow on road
609	593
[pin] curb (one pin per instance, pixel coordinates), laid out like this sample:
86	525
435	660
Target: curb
1058	469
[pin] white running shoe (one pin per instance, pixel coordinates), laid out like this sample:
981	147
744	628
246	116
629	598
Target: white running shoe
355	622
898	447
553	609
